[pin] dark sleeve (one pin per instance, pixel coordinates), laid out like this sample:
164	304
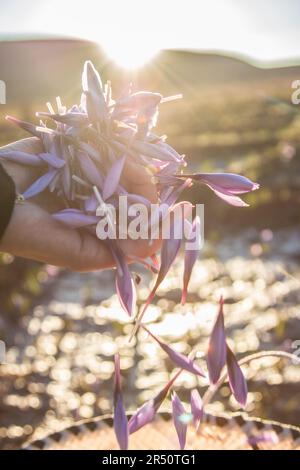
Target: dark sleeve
7	199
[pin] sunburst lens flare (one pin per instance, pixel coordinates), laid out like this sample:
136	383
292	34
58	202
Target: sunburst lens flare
130	55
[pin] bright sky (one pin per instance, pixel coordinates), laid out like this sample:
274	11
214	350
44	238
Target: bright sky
131	31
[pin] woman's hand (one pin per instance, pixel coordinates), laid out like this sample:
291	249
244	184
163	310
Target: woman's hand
33	233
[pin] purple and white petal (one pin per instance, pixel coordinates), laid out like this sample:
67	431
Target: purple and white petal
190	257
196	408
179	414
216	355
179	359
237	381
120	418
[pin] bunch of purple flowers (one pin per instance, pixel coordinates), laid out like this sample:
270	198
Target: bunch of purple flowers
84	155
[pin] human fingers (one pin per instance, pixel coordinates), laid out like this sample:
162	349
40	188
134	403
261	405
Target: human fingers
32	233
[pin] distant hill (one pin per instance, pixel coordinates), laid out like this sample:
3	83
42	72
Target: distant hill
38	70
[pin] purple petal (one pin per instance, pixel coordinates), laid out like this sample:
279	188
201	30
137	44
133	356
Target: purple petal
170	248
216	355
88	149
120	418
178	358
71	119
40	184
75	218
237	382
173	196
190	259
27	126
140	100
226	185
90	170
124	283
91	204
177	157
126	290
196	408
52	160
67	182
230	199
235	184
230	182
178	417
146	413
21	157
92	87
138	199
157	151
113	178
168	170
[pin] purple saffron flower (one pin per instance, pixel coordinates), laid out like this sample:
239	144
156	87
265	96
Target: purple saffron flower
216	355
177	358
226	185
146	413
120	418
196	408
237	382
179	413
190	259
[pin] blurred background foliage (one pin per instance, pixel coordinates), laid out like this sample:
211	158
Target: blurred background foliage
228	120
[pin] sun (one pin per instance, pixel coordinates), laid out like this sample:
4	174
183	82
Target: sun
130	54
